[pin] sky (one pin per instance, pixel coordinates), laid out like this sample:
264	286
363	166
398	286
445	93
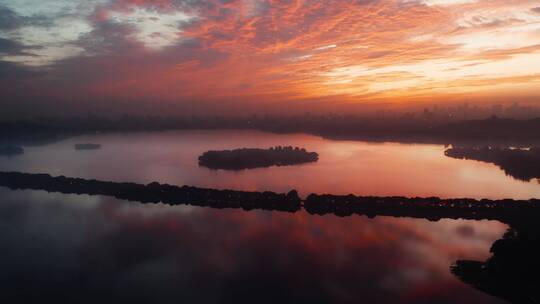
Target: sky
223	56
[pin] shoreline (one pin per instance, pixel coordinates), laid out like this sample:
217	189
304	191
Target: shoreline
488	131
431	208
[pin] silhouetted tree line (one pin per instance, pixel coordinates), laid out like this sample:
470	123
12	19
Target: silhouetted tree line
512	272
523	164
248	158
154	192
401	128
432	208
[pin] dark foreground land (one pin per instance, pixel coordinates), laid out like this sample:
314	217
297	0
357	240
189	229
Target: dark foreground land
154	192
249	158
433	208
512	272
523	164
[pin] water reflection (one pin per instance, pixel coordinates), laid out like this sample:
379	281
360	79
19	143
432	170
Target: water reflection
88	248
522	164
344	167
512	271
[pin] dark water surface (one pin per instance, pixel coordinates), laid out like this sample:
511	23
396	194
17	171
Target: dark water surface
59	248
81	249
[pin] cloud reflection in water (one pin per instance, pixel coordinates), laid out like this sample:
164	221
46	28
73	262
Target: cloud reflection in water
83	249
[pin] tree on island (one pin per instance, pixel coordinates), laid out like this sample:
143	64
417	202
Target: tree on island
248	158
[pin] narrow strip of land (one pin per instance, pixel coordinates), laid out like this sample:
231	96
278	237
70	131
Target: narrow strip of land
432	208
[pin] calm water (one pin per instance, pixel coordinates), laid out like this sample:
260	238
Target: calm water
93	249
82	249
344	166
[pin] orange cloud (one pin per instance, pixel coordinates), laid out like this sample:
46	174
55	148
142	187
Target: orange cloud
263	50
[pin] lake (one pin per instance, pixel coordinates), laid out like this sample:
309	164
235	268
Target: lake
88	249
344	166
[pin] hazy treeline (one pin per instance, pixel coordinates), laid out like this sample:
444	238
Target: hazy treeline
523	164
404	129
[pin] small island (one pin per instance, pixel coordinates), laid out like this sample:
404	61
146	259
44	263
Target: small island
10	150
87	147
249	158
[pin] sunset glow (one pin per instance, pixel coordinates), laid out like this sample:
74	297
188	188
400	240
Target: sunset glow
270	51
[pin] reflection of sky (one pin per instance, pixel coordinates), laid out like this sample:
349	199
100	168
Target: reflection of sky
344	166
86	248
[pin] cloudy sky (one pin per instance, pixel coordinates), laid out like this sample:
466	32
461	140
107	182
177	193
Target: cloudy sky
117	55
